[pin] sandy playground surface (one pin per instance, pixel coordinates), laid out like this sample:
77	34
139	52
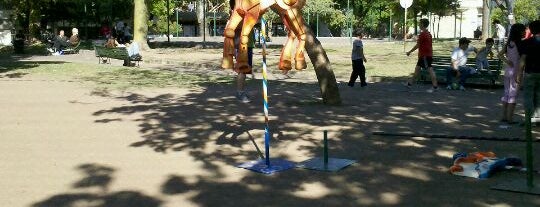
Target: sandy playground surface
66	144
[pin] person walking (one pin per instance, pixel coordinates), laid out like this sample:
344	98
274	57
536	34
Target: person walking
358	59
425	56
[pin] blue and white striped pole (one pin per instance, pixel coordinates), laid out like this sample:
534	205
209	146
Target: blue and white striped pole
266	166
265	95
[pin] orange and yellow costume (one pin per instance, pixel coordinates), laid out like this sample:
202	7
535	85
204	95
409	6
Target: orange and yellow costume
249	11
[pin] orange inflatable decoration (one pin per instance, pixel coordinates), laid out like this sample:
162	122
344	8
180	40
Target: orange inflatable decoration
248	12
470	158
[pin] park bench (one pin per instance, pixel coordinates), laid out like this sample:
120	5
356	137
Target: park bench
104	54
72	49
442	63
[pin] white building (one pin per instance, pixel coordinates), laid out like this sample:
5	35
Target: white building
5	27
463	24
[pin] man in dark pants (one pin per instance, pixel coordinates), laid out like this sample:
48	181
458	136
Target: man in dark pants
530	64
18	43
358	60
60	42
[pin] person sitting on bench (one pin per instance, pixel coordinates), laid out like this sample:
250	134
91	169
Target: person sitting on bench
74	39
459	66
132	48
61	42
111	42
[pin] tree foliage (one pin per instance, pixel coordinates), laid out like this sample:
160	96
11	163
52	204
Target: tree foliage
371	15
526	11
34	16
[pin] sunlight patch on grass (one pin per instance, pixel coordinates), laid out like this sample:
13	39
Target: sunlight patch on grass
115	77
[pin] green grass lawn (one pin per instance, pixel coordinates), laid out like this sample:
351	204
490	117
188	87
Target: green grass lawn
386	60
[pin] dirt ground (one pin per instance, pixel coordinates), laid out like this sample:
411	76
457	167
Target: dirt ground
65	144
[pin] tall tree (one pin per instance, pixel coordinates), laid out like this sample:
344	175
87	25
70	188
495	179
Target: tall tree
323	70
200	17
140	23
485	19
321	64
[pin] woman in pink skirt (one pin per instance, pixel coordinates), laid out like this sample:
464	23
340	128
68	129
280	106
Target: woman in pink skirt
510	55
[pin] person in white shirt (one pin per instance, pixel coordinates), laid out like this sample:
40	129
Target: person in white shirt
500	34
191	7
459	66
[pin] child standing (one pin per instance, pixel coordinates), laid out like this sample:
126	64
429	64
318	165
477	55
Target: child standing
510	55
482	56
357	57
425	55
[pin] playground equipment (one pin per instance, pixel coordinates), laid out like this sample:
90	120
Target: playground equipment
325	163
249	11
266	166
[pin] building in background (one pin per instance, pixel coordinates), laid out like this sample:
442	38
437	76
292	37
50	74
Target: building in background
462	24
6	27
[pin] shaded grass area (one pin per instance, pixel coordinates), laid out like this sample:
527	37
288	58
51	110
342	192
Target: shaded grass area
106	76
38	49
113	77
129	78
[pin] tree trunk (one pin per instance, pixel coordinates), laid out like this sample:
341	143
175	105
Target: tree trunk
438	26
200	17
325	75
415	22
140	24
485	19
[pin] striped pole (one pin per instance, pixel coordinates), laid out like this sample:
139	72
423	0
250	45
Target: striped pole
265	95
325	149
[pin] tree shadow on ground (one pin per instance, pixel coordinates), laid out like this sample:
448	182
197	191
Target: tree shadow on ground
185	44
199	44
9	63
98	176
216	130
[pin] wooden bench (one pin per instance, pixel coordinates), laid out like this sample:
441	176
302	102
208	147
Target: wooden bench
104	54
442	63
